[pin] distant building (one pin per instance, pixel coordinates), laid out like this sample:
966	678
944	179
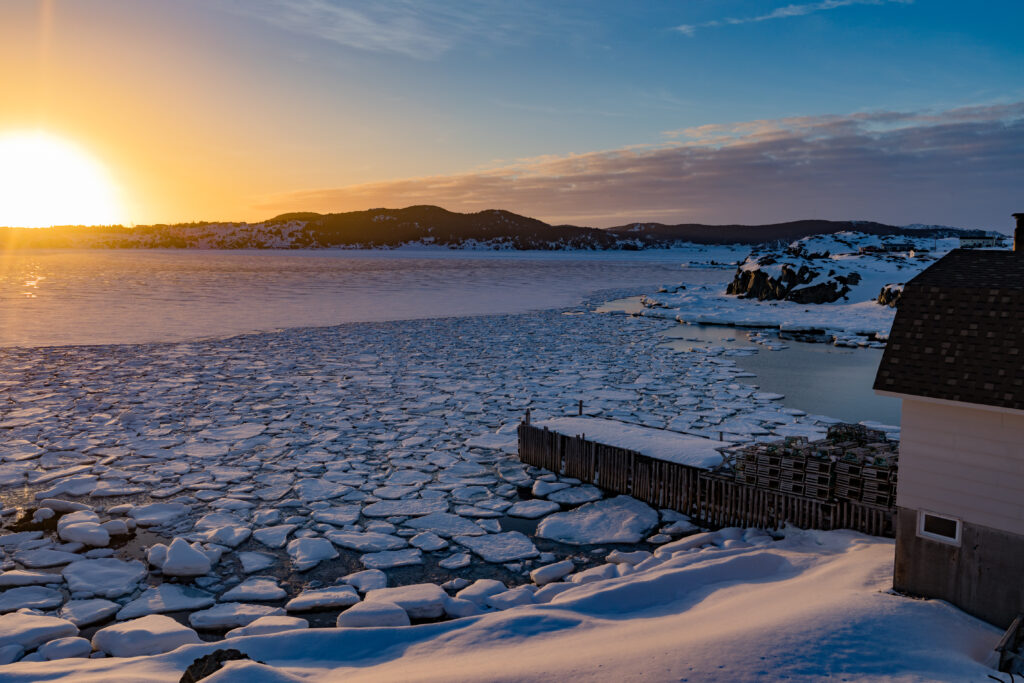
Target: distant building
956	358
986	242
886	247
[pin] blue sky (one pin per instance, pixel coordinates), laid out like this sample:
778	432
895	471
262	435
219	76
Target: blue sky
596	113
532	80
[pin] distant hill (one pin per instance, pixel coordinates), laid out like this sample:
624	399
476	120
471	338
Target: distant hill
433	226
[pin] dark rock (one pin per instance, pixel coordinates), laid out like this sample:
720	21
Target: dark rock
757	284
891	295
848	279
207	665
822	293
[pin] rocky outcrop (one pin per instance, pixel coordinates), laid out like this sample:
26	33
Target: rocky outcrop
757	283
891	295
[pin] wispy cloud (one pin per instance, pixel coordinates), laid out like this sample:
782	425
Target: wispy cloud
961	166
422	29
784	13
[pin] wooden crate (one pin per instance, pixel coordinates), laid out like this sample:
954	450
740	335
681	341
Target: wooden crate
819	479
879	499
880	487
796	464
820	466
849	468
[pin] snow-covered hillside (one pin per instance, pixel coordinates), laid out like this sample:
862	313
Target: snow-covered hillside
426	225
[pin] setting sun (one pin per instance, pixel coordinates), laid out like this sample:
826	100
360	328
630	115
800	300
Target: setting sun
46	181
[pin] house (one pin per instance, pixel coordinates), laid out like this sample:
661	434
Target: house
956	358
984	242
885	247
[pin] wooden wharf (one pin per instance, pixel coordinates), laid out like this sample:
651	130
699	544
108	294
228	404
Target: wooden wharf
710	497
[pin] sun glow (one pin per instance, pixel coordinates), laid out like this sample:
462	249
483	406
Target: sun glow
46	181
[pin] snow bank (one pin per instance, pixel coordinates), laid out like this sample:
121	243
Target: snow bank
813	605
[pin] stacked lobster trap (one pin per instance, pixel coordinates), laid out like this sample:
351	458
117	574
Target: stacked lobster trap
852	463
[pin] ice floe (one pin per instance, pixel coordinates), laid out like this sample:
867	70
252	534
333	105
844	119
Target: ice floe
149	635
614	520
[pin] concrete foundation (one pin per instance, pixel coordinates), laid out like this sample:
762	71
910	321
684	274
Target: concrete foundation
984	576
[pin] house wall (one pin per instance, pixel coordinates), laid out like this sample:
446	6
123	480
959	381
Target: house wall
982	576
964	462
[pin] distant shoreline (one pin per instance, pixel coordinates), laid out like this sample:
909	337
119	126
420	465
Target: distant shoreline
434	227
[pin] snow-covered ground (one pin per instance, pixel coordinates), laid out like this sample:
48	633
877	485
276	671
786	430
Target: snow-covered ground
723	606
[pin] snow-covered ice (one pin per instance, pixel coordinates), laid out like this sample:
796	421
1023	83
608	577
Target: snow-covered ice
388	559
368	542
182	559
265	625
149	635
446	524
551	572
307	553
104	577
32	597
366	580
231	615
64	648
29	631
506	546
158	514
87	612
614	520
420	601
377	614
20	577
323	598
532	509
167	597
256	588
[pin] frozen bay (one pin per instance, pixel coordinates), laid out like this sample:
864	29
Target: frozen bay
228	479
55	297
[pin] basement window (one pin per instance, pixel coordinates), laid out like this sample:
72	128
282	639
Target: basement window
938	527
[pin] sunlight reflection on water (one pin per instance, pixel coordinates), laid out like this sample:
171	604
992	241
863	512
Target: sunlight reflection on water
52	297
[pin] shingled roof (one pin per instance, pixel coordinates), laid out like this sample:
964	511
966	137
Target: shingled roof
959	332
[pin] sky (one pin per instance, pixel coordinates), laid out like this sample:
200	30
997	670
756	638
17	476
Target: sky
591	113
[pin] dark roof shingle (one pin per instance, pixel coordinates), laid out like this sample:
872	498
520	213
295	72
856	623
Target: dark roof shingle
959	332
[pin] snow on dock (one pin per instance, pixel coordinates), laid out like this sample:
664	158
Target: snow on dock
660	444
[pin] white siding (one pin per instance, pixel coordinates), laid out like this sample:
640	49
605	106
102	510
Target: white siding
963	461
